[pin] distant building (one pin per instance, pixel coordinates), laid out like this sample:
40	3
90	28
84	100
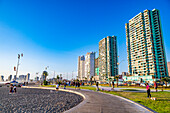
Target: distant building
81	67
96	77
108	57
22	77
90	65
37	78
1	78
168	68
15	77
28	77
124	73
145	47
10	78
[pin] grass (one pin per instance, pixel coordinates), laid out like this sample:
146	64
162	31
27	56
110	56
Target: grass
161	105
129	89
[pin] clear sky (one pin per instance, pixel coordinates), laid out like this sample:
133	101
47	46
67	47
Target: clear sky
55	32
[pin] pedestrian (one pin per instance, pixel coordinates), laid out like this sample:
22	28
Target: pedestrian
11	89
65	85
57	87
78	85
15	89
97	86
59	83
155	86
113	84
148	90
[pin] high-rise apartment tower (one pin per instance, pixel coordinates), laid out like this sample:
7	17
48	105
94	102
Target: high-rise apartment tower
108	57
145	46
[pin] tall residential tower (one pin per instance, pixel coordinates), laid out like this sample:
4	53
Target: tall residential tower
90	65
81	67
145	47
108	59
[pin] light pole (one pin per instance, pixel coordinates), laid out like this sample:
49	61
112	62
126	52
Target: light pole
19	56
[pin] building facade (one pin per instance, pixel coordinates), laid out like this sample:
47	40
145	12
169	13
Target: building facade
168	64
9	77
108	57
90	65
145	47
81	67
22	77
1	78
28	77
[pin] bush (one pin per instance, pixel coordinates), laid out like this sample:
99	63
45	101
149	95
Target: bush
45	82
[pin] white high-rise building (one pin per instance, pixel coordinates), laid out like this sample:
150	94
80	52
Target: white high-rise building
28	77
90	65
81	67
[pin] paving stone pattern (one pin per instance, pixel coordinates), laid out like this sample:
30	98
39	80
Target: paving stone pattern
37	101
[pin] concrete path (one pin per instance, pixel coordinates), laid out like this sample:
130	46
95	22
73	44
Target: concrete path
119	89
97	102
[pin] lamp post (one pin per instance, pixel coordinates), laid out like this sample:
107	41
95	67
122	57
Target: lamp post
19	56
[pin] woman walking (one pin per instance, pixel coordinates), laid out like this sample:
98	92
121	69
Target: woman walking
11	89
148	90
97	86
15	89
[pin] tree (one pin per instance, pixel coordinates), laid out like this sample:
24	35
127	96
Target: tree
110	79
45	74
165	79
117	79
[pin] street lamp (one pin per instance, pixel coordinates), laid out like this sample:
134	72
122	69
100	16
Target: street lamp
19	56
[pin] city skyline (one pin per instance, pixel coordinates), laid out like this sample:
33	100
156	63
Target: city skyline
50	35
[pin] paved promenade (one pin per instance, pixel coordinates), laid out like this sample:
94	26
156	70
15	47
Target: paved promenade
97	102
119	89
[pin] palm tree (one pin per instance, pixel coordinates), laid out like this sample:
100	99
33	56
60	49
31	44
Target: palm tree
45	73
117	79
110	79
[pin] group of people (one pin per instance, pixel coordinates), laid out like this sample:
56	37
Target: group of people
77	85
148	89
13	89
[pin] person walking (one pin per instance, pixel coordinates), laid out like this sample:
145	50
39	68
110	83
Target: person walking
148	90
15	89
57	87
113	84
65	85
78	84
155	86
97	86
11	89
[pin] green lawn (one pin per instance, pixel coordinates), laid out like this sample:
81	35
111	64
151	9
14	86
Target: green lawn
129	89
159	88
161	105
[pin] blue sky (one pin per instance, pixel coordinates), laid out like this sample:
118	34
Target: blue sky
55	32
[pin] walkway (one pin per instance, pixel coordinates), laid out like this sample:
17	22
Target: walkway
119	89
97	102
